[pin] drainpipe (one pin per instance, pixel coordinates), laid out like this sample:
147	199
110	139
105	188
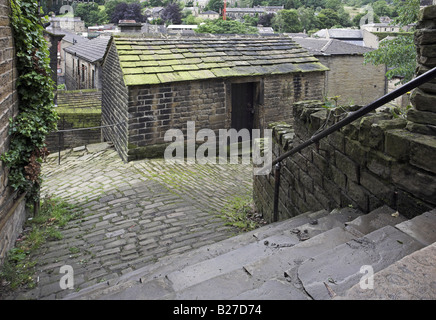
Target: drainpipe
277	168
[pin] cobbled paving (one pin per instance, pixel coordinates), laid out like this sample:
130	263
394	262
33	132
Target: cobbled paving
133	214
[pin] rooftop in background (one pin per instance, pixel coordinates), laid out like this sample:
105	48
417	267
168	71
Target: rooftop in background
353	36
92	50
331	47
154	61
69	36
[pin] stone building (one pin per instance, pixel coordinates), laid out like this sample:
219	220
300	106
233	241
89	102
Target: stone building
343	59
69	38
353	36
12	204
83	64
210	14
153	85
239	13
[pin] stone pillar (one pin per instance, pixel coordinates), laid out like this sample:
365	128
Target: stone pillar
422	117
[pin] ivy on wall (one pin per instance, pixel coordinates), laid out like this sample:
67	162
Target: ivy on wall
37	116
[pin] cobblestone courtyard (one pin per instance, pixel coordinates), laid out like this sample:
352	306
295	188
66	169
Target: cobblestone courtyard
133	214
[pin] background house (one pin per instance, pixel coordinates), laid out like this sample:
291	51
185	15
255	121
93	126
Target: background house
343	59
69	38
83	64
239	13
352	36
212	15
152	85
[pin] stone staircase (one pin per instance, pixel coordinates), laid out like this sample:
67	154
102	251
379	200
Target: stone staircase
317	255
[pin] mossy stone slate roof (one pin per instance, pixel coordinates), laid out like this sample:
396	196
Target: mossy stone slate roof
153	61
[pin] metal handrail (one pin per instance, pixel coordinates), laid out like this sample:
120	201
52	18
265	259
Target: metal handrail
78	129
352	116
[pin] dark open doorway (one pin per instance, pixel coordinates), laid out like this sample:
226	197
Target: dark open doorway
243	105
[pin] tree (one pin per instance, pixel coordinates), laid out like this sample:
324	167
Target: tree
215	5
266	19
398	54
124	11
172	14
381	8
110	6
292	4
328	18
251	21
220	26
134	12
335	5
90	13
407	11
287	21
307	18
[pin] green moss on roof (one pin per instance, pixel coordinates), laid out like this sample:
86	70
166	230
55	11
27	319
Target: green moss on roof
153	60
140	79
185	67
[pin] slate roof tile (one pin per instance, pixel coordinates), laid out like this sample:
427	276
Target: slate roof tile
154	60
92	50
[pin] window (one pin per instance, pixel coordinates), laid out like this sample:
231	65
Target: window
83	72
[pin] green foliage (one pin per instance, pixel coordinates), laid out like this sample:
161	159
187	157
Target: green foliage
220	26
381	8
37	116
328	18
398	54
240	213
287	21
215	5
19	267
90	13
407	11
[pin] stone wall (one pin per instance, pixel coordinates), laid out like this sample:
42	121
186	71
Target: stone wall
76	109
422	118
376	160
368	163
361	87
12	206
115	99
89	76
155	109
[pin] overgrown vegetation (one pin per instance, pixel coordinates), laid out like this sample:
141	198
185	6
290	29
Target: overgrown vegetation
220	26
19	267
399	53
240	213
37	116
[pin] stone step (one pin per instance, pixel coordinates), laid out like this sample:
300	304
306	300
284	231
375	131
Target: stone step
251	276
235	260
376	219
411	278
336	218
229	274
273	289
335	271
422	227
177	262
230	261
320	234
